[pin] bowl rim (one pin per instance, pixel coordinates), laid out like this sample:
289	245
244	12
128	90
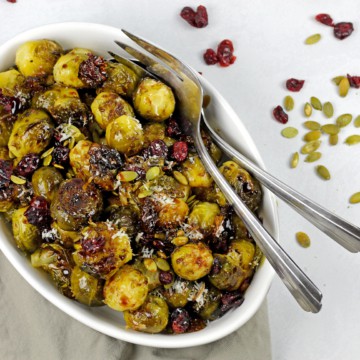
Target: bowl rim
67	305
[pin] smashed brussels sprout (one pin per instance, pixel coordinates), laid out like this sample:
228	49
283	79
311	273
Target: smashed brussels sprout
106	193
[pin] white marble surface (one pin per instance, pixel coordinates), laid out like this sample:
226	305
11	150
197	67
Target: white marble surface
269	40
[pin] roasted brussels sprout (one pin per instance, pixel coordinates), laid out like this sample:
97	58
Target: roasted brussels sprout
178	294
65	238
126	290
102	250
6	199
75	203
203	215
242	251
246	186
153	131
70	110
47	99
108	106
31	133
195	172
239	227
86	289
154	100
152	274
80	159
230	276
4	153
121	79
207	303
38	57
125	217
27	236
165	186
56	261
151	317
46	182
125	134
192	261
11	81
173	214
210	194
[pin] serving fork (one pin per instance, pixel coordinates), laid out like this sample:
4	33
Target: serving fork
187	87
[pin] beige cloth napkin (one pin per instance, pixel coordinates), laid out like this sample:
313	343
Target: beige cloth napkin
31	328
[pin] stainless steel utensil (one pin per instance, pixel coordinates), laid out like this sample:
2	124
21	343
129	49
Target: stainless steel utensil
186	85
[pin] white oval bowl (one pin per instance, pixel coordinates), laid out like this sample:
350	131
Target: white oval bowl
100	38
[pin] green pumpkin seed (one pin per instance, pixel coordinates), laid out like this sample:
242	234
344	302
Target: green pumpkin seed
315	103
288	103
47	152
313	39
307	110
152	173
127	176
337	79
333	139
355	198
357	121
344	87
316	155
303	239
17	180
162	264
47	160
328	109
312	135
294	160
353	140
180	240
289	132
144	193
310	147
344	120
150	265
330	129
312	125
323	172
180	178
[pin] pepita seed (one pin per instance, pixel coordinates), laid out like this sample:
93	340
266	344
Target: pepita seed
294	160
344	120
180	178
312	125
312	135
310	147
307	110
328	109
47	152
357	121
144	193
316	155
288	103
150	265
313	39
17	180
152	173
180	240
59	166
71	143
47	160
315	103
289	132
337	79
160	236
191	198
353	140
330	129
162	264
333	139
127	176
303	239
344	87
355	198
323	172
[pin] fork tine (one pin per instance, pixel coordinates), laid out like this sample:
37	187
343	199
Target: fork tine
138	70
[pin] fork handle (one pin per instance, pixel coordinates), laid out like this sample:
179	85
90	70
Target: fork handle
344	233
300	286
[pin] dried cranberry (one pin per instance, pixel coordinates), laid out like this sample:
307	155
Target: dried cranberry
6	169
196	324
164	246
324	19
354	81
149	216
165	277
10	104
230	300
38	212
180	320
104	159
225	53
158	148
92	245
27	165
280	115
92	71
11	1
173	129
343	29
210	57
60	155
198	18
179	151
294	85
